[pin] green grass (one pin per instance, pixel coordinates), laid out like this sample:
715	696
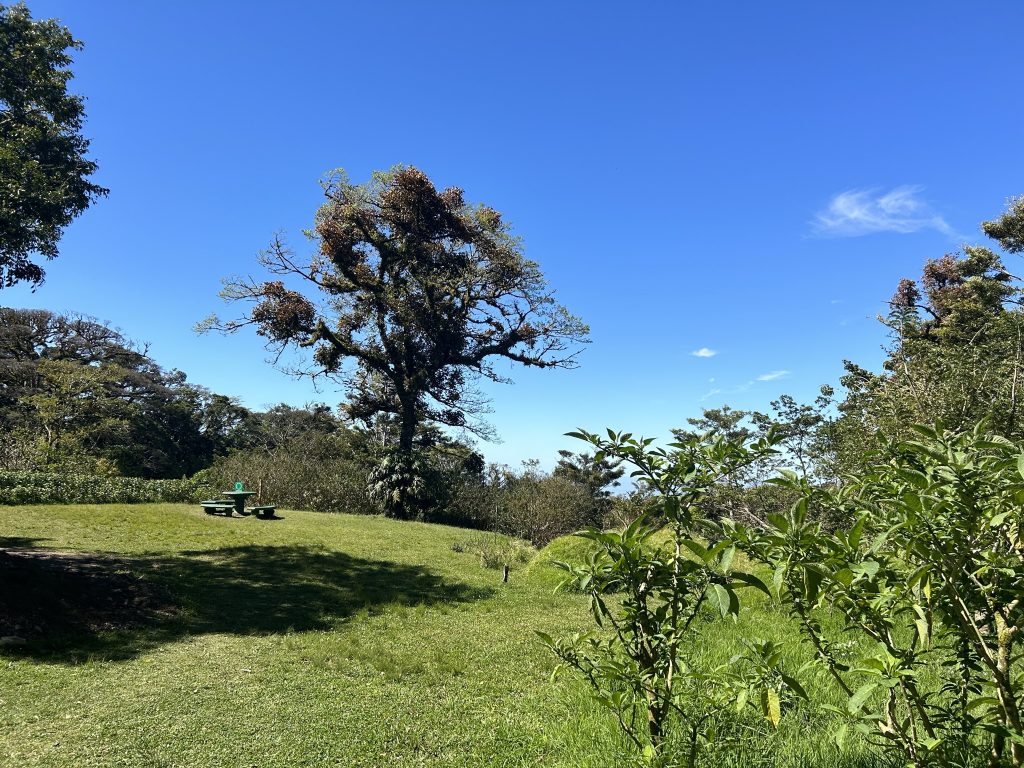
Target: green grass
314	640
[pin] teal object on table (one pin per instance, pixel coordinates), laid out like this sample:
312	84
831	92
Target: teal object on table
239	486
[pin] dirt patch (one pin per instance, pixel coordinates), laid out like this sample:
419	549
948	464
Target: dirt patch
50	595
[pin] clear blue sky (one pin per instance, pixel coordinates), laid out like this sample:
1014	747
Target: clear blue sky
750	178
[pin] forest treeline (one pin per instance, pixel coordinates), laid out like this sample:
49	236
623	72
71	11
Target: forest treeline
83	409
79	398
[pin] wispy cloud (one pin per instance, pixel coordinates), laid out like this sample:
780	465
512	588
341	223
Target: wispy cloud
710	393
867	211
704	352
774	375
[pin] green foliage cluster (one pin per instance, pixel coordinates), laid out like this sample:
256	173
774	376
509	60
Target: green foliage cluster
914	611
77	396
496	551
539	506
648	598
43	169
62	488
315	463
955	355
931	574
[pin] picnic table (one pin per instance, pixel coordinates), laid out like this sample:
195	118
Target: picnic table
239	497
234	501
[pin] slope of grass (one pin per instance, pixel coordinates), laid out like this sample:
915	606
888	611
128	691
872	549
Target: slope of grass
314	640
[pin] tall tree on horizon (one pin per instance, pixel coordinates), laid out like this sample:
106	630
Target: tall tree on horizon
411	296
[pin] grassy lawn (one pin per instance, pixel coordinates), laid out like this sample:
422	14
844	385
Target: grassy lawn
160	636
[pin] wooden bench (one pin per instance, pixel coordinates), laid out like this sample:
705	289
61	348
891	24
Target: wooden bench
265	512
218	506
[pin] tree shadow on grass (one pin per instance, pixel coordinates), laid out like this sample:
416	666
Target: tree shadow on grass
67	607
20	542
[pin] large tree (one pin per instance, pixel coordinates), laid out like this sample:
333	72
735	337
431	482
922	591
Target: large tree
956	353
411	296
43	169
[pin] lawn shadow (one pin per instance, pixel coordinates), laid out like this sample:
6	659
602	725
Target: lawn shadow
67	607
19	542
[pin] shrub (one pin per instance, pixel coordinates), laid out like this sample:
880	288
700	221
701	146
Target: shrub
495	550
539	507
317	472
61	488
646	594
931	576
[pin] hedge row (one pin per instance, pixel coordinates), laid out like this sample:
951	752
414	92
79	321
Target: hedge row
60	488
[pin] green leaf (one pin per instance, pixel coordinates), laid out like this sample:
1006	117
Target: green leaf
649	754
812	583
697	548
723	598
725	562
750	580
860	696
983	701
795	686
853	537
840	736
741	700
867	568
778	579
771	707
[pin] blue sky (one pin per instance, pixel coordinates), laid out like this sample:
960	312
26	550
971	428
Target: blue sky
748	179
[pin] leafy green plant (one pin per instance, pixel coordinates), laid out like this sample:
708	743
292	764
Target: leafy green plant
495	550
931	578
61	488
648	596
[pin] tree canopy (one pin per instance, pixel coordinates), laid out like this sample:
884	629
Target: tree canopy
44	174
77	395
411	296
955	352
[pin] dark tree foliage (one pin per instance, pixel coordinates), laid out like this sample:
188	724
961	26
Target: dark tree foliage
1008	229
596	475
43	169
412	295
955	355
282	424
75	394
962	297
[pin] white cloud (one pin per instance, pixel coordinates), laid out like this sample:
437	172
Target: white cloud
710	393
773	376
867	211
704	352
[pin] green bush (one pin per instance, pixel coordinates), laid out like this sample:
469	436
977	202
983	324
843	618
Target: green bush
62	488
539	507
930	575
495	550
316	472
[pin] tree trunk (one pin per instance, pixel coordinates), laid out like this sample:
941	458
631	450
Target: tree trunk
403	508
